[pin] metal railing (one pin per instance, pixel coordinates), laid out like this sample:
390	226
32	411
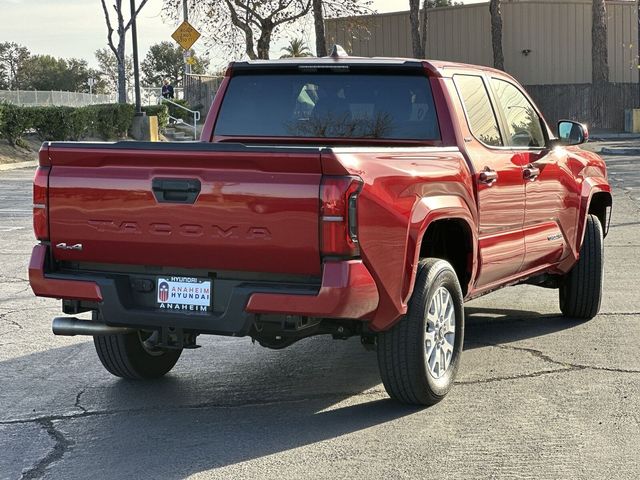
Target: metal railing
38	98
195	114
150	94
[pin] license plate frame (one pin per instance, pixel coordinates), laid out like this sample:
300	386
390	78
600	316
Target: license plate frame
184	294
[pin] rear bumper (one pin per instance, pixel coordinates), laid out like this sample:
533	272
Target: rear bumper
66	288
347	291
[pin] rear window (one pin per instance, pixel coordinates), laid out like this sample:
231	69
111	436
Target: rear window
332	105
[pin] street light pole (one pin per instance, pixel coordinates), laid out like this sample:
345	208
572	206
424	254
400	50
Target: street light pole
136	69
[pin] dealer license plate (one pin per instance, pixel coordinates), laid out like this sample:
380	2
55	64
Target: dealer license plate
185	294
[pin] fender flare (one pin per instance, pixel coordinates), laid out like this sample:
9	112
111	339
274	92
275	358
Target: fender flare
590	187
425	212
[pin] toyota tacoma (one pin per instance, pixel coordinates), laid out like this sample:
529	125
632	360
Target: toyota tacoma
343	196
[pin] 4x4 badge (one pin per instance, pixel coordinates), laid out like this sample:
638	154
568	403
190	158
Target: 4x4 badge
64	246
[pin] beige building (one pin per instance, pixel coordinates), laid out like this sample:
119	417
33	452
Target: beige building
545	42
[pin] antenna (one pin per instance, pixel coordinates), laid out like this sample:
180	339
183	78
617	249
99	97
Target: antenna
337	51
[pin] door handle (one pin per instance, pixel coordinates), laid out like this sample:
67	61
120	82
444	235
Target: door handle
488	176
176	190
531	172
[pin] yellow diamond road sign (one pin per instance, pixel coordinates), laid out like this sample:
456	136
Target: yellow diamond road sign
186	35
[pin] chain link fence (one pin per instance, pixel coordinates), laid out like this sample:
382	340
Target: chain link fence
34	98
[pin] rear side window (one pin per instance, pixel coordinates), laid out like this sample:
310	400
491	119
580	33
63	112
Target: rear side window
525	129
330	105
480	115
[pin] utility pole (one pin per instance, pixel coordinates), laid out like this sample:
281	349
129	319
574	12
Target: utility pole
136	69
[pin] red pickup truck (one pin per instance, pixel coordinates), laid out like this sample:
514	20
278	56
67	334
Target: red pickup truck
342	196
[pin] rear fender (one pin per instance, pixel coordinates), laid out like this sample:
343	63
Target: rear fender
426	212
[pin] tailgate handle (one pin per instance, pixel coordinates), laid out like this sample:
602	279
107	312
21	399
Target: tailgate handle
176	190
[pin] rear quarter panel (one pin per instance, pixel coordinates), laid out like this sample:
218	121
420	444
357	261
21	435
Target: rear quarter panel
405	189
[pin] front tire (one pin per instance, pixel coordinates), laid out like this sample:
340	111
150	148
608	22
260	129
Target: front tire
128	356
581	289
420	356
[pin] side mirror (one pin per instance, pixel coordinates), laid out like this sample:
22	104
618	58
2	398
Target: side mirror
572	133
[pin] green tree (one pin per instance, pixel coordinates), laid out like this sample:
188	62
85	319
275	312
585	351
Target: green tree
296	48
12	57
108	69
44	72
165	60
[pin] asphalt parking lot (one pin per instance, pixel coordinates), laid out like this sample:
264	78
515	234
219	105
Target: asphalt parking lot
537	396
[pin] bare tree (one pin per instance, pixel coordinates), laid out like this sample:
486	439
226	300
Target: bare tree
496	34
599	52
242	26
122	26
335	8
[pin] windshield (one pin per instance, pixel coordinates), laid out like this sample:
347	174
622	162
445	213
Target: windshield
331	105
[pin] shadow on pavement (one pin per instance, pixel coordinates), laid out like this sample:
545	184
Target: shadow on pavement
228	403
488	326
224	404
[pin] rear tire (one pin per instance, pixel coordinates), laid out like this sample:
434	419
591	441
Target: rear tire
581	289
126	356
419	357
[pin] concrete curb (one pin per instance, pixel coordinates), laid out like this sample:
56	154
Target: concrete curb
620	151
613	137
13	166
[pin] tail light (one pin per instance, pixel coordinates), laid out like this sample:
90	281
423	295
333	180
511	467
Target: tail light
338	216
41	197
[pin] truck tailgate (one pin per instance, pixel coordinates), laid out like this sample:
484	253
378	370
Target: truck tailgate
201	206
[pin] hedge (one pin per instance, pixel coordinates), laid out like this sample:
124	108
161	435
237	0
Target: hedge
108	121
160	111
112	120
56	123
14	123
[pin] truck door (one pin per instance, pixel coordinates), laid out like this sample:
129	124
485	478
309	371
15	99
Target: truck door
548	213
499	182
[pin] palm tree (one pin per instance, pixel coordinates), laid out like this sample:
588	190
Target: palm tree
496	34
599	53
296	48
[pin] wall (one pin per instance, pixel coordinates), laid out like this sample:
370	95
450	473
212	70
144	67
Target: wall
558	33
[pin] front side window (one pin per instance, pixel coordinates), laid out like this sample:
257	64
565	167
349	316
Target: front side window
480	115
523	122
329	105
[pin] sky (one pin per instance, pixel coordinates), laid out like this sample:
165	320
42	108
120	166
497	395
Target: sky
76	28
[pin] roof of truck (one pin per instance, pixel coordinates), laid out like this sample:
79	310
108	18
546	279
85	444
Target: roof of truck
437	68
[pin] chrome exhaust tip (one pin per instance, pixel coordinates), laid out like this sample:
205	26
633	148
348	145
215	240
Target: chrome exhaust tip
71	326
